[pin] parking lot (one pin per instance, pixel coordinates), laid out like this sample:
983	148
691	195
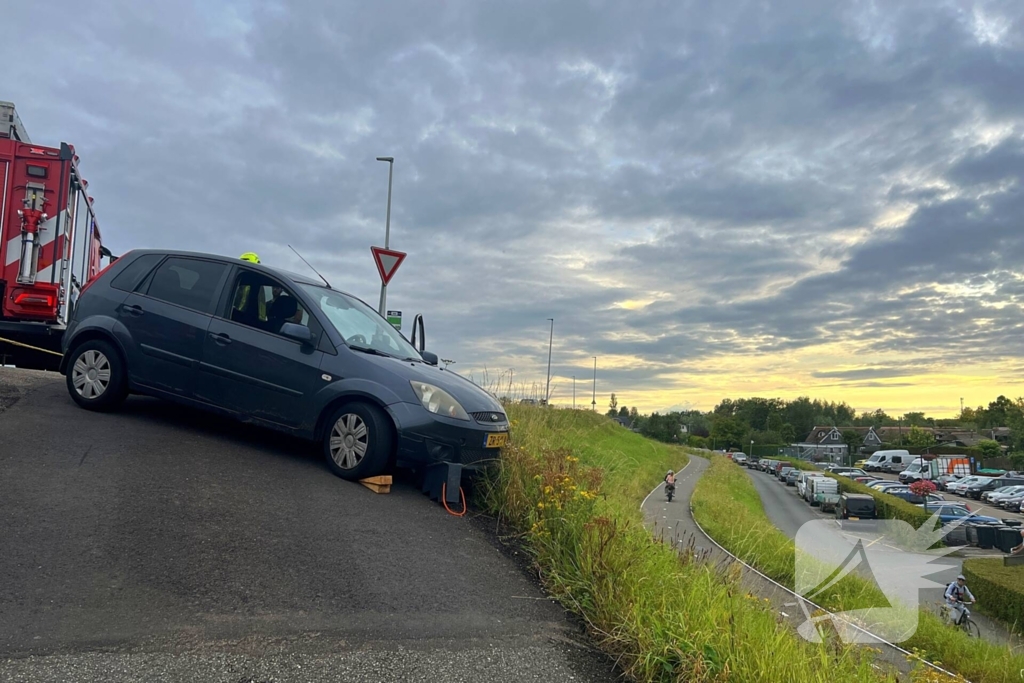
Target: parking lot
975	505
158	543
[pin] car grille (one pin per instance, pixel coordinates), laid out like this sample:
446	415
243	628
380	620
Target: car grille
485	417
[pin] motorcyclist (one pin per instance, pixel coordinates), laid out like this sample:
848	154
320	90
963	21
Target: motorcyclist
955	595
670	480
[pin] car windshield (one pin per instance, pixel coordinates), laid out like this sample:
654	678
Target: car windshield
359	325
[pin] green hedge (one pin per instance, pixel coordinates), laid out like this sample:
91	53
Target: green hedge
999	590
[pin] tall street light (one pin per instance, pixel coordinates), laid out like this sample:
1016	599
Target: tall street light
547	390
593	403
387	233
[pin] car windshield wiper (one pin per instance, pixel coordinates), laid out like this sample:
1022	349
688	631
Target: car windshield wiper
371	351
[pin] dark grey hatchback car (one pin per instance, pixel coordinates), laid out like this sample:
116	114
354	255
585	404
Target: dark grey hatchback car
275	349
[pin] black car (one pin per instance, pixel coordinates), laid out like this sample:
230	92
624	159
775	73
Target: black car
275	349
856	506
976	490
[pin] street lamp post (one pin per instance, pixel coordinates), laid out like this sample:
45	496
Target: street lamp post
593	403
547	389
387	233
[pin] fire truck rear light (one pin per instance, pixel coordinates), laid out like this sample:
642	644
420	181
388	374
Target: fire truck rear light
31	299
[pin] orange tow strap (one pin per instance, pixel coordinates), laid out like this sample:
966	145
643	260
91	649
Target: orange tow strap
444	501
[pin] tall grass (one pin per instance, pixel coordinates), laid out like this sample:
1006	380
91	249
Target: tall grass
728	507
570	485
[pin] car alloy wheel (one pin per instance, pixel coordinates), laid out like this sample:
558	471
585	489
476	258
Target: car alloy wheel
91	374
350	440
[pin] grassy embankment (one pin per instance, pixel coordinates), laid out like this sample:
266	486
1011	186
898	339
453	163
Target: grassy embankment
571	484
728	507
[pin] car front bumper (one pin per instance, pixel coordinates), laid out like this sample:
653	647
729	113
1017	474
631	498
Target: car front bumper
427	439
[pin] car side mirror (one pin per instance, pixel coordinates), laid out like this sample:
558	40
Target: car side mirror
430	358
299	333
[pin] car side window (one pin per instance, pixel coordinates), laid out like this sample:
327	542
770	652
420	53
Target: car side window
190	283
135	272
261	302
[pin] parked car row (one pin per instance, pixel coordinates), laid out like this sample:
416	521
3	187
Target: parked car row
817	489
1006	492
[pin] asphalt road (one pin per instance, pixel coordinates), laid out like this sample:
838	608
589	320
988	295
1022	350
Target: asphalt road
159	543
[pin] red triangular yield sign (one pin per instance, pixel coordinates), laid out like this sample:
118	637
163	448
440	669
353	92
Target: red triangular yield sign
387	262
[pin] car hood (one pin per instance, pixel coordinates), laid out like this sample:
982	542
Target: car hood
471	396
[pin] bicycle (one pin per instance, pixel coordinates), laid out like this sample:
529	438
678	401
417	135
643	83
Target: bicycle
964	623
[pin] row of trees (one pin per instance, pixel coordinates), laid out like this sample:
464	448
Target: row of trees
734	423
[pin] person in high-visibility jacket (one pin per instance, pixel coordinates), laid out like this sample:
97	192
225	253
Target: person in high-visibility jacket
242	294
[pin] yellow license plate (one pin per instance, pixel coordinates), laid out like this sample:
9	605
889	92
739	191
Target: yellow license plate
855	519
496	440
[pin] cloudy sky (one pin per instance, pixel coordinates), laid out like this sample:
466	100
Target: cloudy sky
714	198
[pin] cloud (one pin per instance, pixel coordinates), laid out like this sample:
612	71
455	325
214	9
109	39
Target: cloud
863	373
814	186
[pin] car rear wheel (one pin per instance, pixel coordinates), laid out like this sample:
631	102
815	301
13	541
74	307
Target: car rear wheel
358	441
96	376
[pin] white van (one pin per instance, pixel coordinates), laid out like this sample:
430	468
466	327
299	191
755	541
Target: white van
802	482
918	469
888	461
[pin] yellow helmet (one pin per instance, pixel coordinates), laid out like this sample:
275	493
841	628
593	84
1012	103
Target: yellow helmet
250	256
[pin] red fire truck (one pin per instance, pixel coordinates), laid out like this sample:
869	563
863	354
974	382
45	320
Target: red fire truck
50	245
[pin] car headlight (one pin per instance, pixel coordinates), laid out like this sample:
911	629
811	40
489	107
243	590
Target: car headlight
439	401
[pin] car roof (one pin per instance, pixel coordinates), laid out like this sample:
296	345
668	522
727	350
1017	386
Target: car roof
259	267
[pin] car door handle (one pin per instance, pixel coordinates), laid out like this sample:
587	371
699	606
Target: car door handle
221	338
134	310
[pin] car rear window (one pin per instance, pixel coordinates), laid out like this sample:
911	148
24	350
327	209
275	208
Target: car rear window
860	505
135	272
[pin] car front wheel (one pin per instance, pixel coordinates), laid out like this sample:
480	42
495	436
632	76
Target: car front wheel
96	376
358	441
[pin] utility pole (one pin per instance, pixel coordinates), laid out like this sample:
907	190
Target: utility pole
574	392
547	390
387	234
511	371
593	403
961	407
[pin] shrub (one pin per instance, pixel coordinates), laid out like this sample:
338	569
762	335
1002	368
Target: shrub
999	590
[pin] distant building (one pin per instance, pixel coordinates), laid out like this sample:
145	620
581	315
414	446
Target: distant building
823	443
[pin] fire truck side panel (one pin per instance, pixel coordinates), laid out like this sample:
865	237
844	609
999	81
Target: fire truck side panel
33	257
